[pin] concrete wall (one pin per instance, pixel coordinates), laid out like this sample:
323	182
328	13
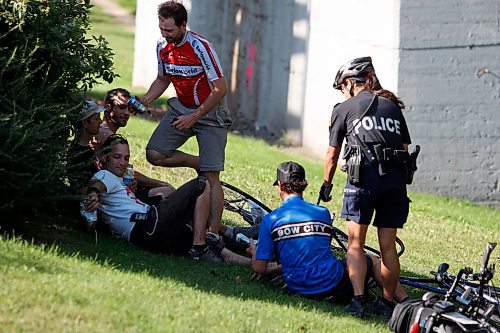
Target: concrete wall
452	113
335	39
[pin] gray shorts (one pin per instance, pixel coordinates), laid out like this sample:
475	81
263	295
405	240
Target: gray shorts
210	134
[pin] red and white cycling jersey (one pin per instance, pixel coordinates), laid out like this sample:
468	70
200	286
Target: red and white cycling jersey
191	66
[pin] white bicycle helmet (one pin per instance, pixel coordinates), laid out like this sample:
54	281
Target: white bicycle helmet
357	68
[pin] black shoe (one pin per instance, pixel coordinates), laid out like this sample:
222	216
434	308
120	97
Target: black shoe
356	308
206	254
380	307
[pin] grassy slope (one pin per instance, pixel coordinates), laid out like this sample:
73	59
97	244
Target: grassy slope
114	287
130	5
122	42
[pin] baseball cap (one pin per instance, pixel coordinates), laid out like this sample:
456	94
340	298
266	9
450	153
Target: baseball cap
89	108
288	171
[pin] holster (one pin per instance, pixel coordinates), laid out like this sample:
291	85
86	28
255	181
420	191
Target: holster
412	165
352	154
384	158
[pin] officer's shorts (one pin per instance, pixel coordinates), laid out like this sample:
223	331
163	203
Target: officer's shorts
211	139
386	196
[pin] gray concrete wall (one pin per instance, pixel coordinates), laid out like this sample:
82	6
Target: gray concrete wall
258	43
452	113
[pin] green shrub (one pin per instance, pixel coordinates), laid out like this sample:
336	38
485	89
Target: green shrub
46	66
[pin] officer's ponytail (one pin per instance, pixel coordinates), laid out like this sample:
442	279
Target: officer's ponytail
372	84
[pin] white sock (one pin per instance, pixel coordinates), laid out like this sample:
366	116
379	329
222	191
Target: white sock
213	234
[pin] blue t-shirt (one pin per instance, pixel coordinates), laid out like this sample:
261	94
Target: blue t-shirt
299	233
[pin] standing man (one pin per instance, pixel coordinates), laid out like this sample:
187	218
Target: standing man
372	122
190	63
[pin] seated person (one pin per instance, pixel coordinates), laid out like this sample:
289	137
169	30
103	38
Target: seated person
299	233
163	227
82	163
116	115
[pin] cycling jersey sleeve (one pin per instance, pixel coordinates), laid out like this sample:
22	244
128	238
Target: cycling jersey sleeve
160	45
208	58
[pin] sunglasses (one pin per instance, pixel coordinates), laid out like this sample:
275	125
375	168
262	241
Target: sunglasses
122	106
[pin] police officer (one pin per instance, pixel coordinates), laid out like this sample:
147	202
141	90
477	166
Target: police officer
377	140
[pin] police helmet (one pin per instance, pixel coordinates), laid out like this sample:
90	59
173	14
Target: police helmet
357	68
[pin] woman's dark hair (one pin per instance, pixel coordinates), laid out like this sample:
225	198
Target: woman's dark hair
294	186
113	139
372	84
174	10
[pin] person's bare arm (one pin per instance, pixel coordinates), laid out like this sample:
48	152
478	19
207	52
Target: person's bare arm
159	85
331	159
93	191
257	265
219	90
145	181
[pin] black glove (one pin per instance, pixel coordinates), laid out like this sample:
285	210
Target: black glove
324	193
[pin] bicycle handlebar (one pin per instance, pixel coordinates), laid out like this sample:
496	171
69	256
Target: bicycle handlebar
489	248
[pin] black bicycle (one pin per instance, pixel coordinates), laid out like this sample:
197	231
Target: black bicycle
474	293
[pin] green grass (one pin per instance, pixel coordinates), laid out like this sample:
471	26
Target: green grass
72	284
130	5
122	43
64	282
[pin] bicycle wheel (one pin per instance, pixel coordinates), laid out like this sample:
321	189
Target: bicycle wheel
249	208
341	243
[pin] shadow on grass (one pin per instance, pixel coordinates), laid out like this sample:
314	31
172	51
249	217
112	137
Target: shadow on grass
222	279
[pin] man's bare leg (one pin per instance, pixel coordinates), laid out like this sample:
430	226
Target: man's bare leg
399	293
216	201
356	260
389	261
177	159
233	258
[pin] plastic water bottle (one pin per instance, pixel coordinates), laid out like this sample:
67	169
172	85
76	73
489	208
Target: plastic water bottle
128	176
137	106
90	217
242	239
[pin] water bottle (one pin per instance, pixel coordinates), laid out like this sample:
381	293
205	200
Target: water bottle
242	239
89	217
128	176
137	106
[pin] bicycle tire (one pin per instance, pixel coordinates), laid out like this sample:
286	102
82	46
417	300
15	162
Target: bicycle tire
242	203
341	239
